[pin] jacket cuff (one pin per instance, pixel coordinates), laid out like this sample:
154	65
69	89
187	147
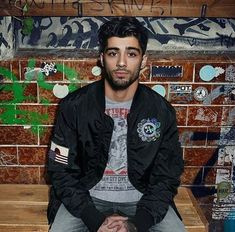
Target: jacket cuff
92	218
143	220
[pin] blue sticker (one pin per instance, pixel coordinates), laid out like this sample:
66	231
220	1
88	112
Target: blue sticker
160	89
207	73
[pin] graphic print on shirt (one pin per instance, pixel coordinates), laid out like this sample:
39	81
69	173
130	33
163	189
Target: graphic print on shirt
117	151
115	185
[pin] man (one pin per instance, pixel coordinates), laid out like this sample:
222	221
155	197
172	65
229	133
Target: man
115	160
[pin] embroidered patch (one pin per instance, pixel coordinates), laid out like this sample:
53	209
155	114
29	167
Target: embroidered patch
149	129
59	153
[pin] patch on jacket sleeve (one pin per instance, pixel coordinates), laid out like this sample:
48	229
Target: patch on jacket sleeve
59	153
149	129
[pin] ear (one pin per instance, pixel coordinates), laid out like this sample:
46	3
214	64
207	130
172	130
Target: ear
144	61
102	59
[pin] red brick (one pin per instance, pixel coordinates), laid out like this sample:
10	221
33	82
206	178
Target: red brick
19	175
204	116
8	156
32	155
44	179
193	136
181	115
145	74
200	156
17	135
45	136
82	69
190	175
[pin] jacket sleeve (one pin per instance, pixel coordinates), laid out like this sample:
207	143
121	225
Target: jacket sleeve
164	179
64	171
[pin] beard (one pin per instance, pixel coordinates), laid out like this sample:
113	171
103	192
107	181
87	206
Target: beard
121	84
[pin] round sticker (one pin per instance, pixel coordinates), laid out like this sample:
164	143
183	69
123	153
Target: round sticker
160	89
207	73
96	71
200	93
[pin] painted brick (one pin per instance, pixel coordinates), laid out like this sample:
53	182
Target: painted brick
45	135
18	93
221	136
19	175
32	155
47	96
17	135
200	156
209	176
37	114
228	116
223	94
204	116
145	74
82	69
154	85
32	68
8	156
191	175
192	136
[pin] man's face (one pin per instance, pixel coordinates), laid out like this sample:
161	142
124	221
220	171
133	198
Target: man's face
122	60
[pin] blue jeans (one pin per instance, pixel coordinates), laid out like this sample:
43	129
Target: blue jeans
65	222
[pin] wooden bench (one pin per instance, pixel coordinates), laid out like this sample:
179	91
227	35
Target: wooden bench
23	208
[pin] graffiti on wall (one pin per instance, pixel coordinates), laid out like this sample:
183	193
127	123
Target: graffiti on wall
10	114
165	33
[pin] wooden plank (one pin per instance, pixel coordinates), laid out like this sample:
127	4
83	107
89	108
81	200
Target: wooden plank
23	208
33	194
23	228
23	214
199	210
165	8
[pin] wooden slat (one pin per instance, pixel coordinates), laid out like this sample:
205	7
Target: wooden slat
23	209
174	8
33	194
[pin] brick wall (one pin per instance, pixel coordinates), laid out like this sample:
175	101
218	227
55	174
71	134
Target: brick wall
203	97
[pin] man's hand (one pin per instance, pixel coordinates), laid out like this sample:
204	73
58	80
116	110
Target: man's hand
114	223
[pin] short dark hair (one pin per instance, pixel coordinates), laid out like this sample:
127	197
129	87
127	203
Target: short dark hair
122	27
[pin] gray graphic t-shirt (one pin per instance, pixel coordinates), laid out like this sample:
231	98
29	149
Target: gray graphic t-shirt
115	185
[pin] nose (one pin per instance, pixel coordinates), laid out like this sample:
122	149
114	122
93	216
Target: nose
121	62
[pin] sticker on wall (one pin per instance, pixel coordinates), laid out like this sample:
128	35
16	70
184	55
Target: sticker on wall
180	88
230	73
206	115
60	91
200	93
208	72
160	89
167	71
48	68
96	71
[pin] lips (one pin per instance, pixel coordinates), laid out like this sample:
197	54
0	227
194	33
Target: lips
120	73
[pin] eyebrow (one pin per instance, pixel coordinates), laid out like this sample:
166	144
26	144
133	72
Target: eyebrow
127	48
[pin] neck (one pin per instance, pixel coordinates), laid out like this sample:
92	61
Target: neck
120	95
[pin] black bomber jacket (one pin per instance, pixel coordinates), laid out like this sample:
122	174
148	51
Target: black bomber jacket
79	154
